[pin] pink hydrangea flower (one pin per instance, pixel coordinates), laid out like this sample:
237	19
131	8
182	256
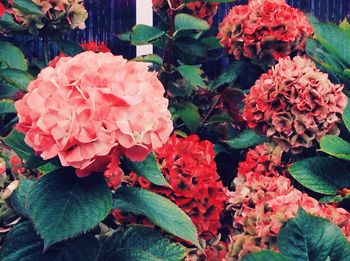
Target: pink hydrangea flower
264	31
91	106
263	201
295	104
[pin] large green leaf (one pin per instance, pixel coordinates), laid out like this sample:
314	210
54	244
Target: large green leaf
189	22
144	34
246	139
16	78
150	58
12	57
84	248
145	239
28	7
333	38
229	75
15	140
266	255
19	198
7	22
159	210
61	205
148	169
320	174
192	74
335	146
189	114
346	116
132	255
23	244
307	237
7	107
69	48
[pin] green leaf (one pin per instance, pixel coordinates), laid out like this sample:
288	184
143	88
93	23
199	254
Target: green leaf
229	75
15	140
7	22
85	247
346	116
19	198
333	38
192	74
145	239
189	22
266	255
335	146
148	169
307	237
16	78
22	243
12	57
132	255
28	7
320	174
7	107
77	204
142	34
191	47
246	139
69	48
212	43
150	58
189	114
159	210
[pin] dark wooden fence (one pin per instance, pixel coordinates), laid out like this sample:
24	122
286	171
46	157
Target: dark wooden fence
110	17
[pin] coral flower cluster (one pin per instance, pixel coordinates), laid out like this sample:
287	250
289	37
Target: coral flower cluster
199	9
94	106
264	31
264	200
295	104
189	167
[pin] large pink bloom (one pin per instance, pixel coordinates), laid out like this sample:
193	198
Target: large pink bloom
263	201
264	31
295	104
92	106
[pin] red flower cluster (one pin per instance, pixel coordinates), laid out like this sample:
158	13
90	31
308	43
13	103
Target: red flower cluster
295	104
189	167
95	47
264	31
4	5
263	201
88	46
201	10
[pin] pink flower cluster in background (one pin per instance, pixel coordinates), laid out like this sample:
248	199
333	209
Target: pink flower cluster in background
264	31
93	107
295	104
264	200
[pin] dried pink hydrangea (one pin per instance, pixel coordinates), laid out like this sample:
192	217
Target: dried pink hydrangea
92	105
295	104
264	31
263	201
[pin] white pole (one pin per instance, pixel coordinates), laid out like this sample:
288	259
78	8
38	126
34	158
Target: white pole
144	15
